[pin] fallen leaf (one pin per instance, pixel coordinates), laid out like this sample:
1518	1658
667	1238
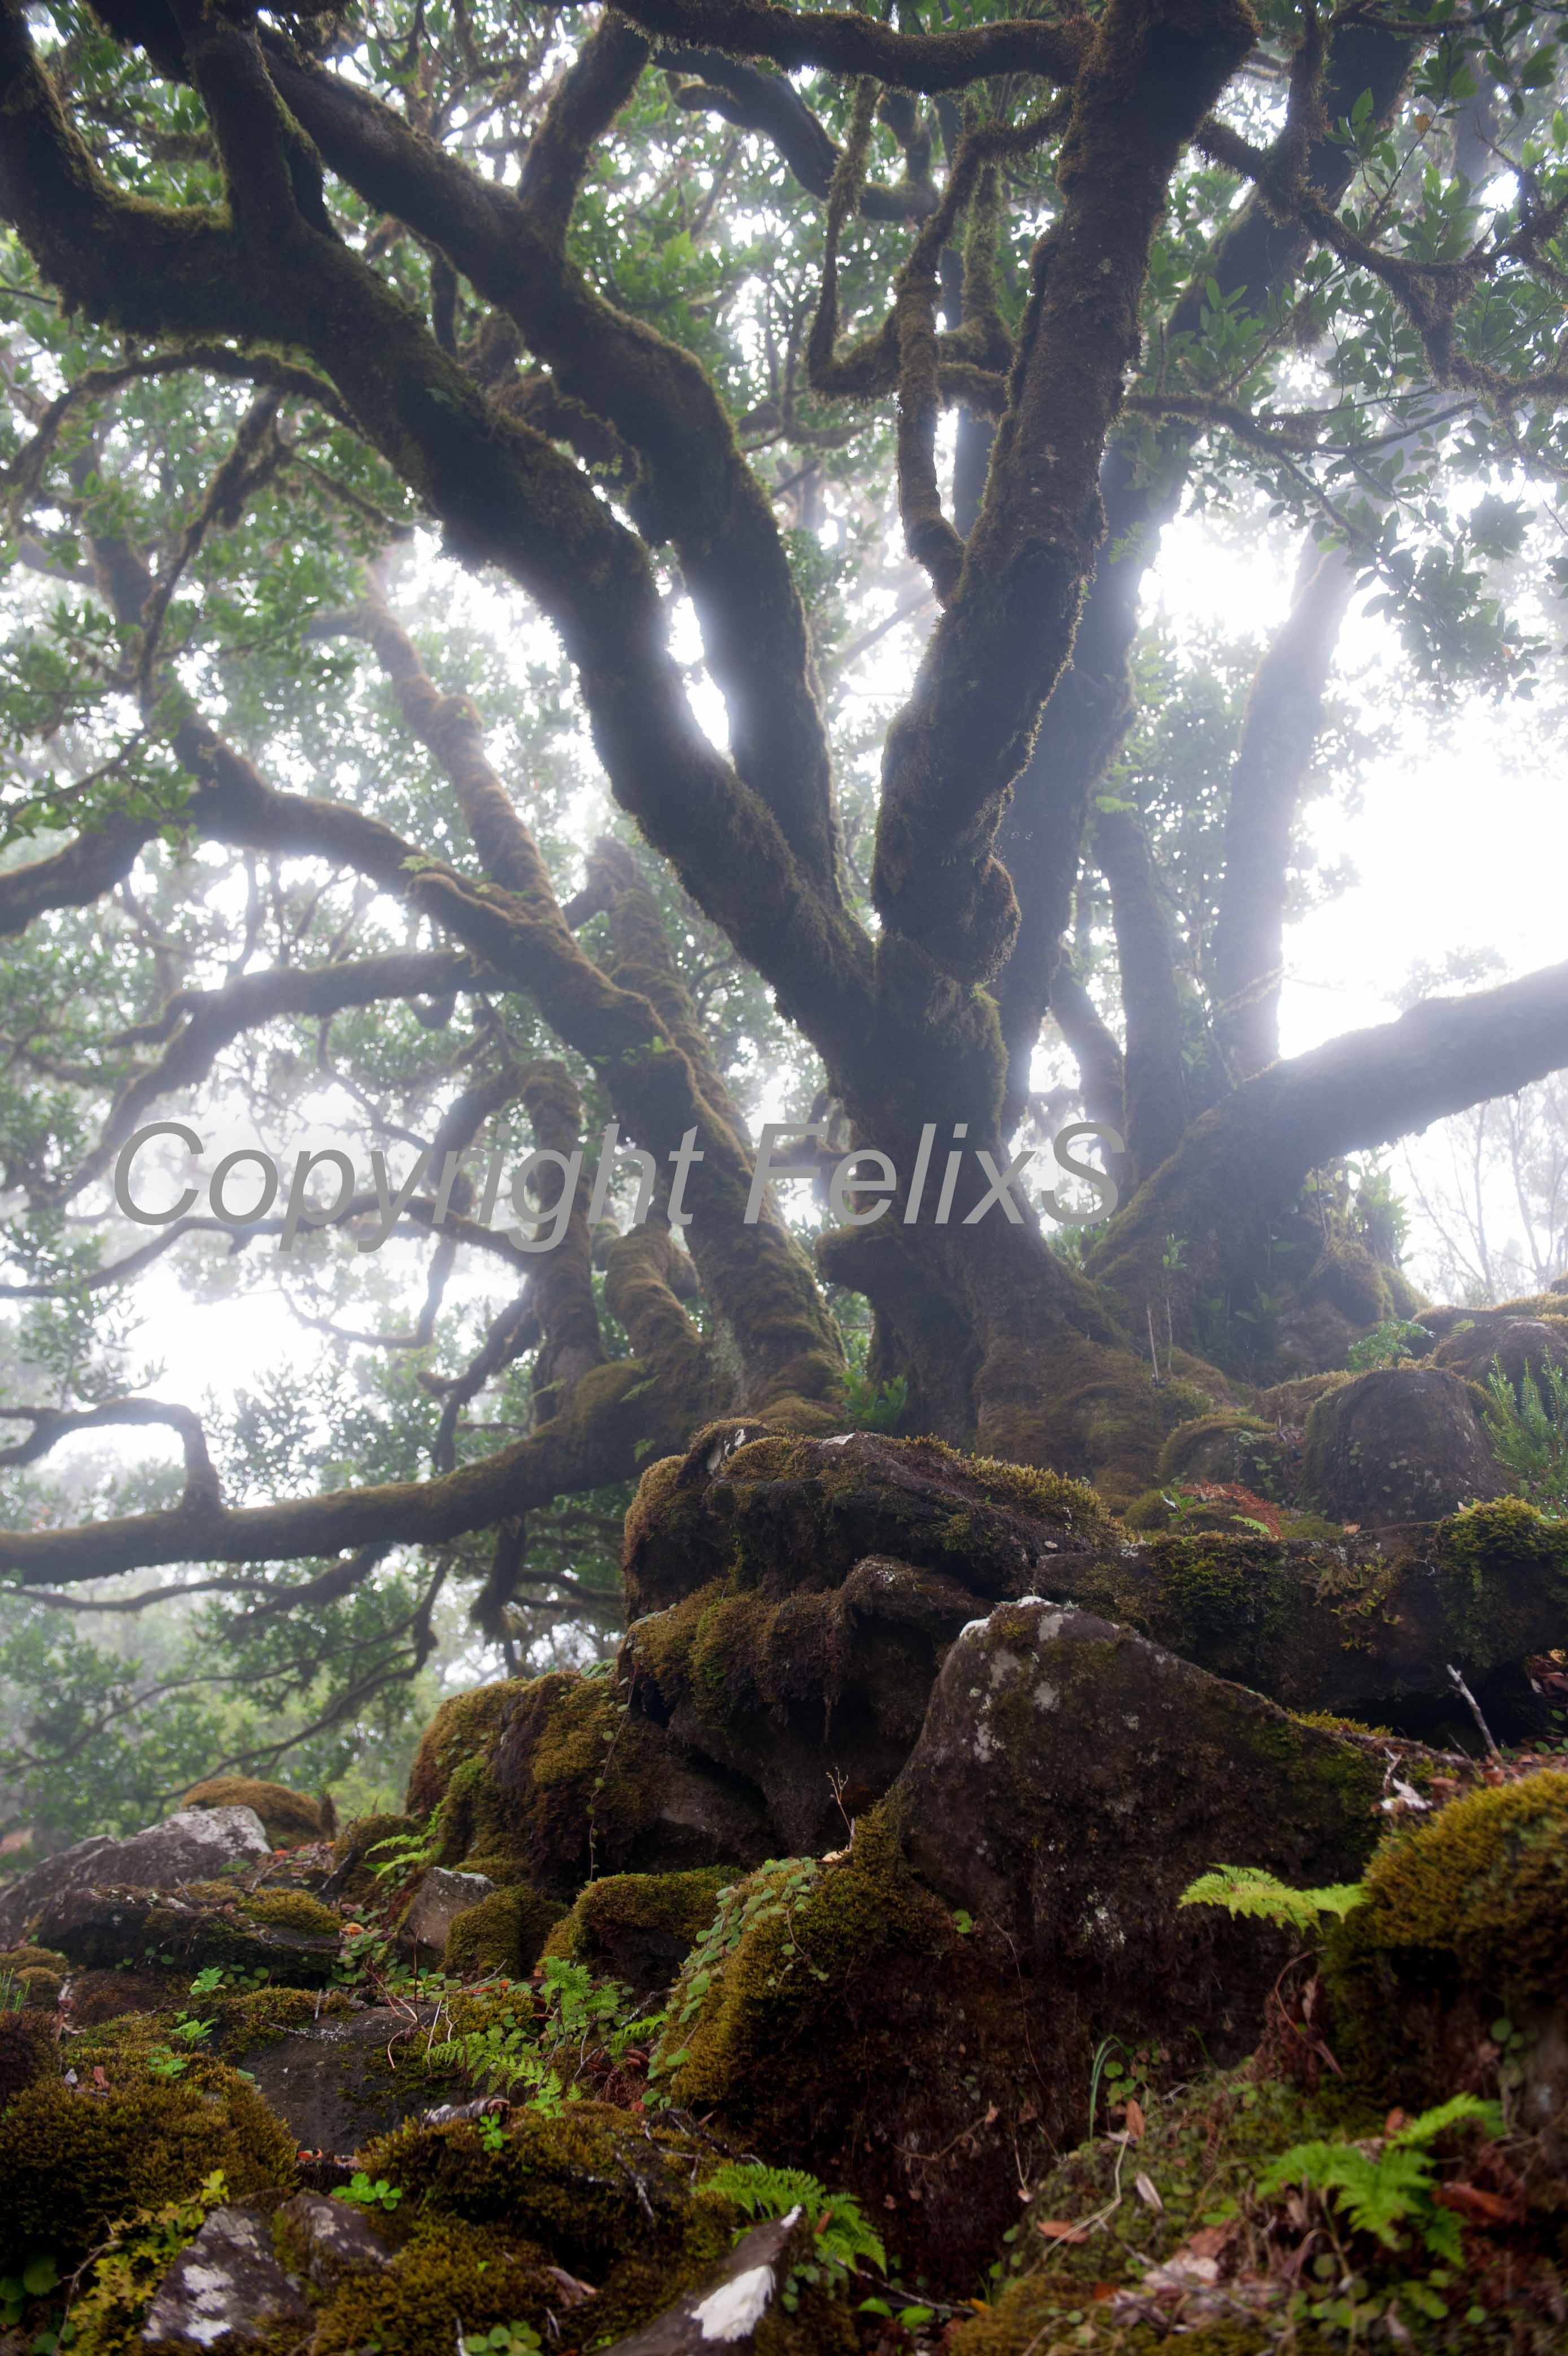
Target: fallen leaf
1474	2201
1209	2242
1135	2119
1148	2193
1395	2120
1055	2229
99	2076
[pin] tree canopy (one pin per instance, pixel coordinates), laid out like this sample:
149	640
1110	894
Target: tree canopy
578	566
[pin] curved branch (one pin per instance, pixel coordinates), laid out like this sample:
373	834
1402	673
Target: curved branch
1243	1162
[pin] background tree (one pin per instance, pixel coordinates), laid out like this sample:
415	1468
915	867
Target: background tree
418	422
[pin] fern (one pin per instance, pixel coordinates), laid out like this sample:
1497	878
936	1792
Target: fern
840	2234
1530	1433
402	1852
1247	1889
1386	2189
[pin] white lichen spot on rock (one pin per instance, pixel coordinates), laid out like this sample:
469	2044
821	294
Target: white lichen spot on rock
735	2309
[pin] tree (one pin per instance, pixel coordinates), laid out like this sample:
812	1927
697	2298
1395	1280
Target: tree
653	316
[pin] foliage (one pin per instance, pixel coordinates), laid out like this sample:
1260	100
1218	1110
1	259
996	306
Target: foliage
128	2272
841	2237
582	2022
369	2192
1385	2185
1246	1889
1387	1345
1529	1433
875	1407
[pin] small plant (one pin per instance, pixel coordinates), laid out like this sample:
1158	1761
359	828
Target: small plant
368	2195
492	2134
1247	1889
164	2062
501	2340
1387	1344
400	1853
207	1980
1385	2185
1529	1433
109	2312
875	1407
841	2237
36	2279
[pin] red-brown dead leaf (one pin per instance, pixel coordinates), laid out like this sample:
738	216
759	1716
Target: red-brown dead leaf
1136	2122
1478	2206
1057	2229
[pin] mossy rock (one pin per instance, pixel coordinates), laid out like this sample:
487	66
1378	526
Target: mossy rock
590	2185
1366	1625
105	1928
836	2016
639	1928
290	1818
1464	1921
778	1514
503	1935
449	2280
37	1975
291	1910
1404	1444
463	1729
74	2157
1238	1449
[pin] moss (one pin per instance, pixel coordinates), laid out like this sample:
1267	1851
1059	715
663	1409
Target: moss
639	1927
1196	1439
801	1934
37	1974
26	2050
498	1866
291	1910
462	1729
504	1933
29	1958
364	1836
243	2022
449	2274
1487	1882
1465	1919
591	2184
74	2157
289	1817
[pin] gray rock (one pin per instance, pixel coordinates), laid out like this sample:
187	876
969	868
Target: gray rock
725	2310
101	1929
339	2083
441	1897
1402	1444
1072	1779
338	2239
226	2289
193	1845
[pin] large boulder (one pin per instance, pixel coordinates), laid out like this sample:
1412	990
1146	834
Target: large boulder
784	1514
193	1845
289	1817
1404	1444
1072	1779
104	1928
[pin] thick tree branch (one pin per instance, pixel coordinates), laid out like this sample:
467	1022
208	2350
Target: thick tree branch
955	750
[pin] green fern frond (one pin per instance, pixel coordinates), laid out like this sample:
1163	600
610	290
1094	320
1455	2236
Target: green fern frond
1247	1889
